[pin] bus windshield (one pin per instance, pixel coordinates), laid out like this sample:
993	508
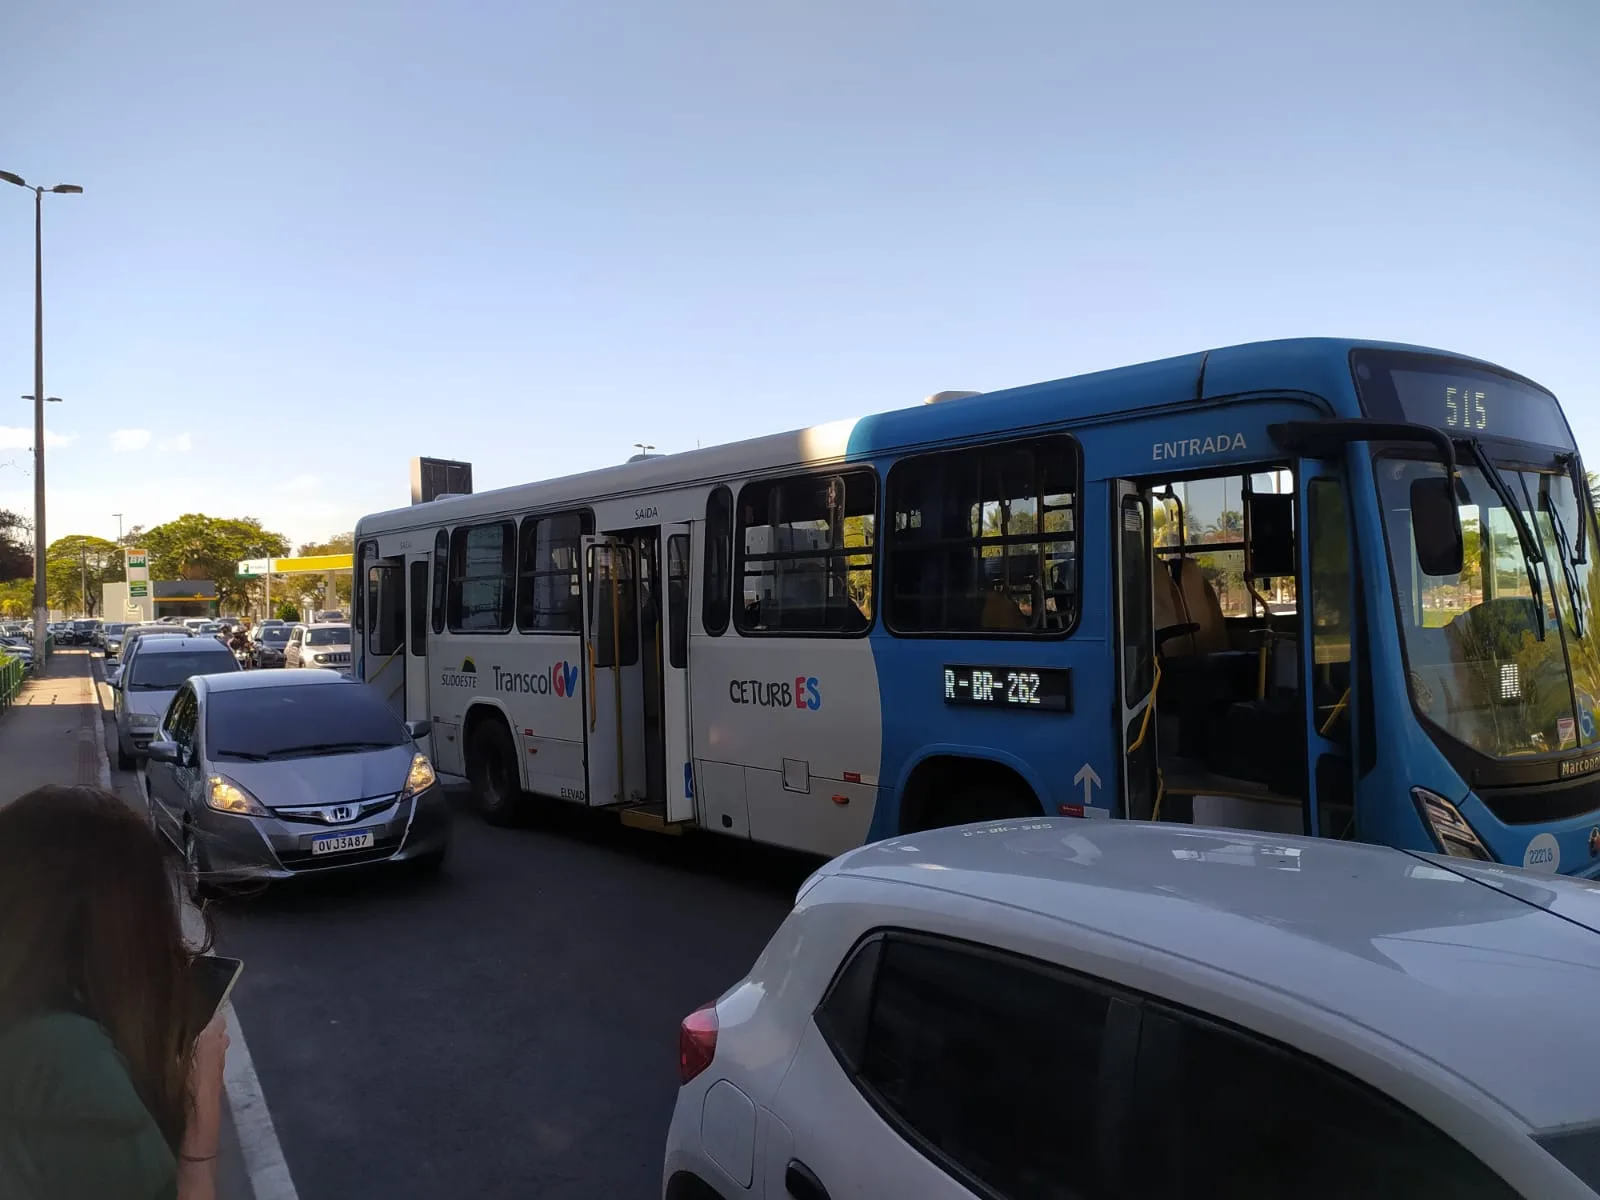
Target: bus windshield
1502	657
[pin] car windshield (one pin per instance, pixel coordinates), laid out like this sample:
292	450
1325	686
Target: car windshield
275	633
1504	656
260	724
339	636
165	672
115	628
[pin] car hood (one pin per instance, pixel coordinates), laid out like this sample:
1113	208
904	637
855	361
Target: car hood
141	701
324	779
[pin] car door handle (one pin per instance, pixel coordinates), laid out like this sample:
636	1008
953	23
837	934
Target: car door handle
802	1183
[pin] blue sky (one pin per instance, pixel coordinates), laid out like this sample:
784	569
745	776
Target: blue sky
317	239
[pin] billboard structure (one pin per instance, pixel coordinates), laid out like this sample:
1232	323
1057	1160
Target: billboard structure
435	477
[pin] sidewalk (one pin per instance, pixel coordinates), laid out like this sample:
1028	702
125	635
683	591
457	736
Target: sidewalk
49	734
56	733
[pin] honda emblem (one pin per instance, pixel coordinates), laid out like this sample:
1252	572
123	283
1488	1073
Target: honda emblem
341	812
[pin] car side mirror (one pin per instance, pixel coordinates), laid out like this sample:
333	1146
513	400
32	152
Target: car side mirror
1436	526
416	729
114	681
164	751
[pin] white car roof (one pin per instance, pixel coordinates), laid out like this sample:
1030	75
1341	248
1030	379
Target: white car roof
1494	977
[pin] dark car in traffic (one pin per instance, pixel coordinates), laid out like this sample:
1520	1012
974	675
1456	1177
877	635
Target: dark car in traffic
267	648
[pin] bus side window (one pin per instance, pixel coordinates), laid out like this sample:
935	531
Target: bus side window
984	540
718	581
441	577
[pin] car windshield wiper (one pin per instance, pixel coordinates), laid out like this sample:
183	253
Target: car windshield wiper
1532	554
330	748
243	755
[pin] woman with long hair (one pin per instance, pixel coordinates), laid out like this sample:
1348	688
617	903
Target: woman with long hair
105	1089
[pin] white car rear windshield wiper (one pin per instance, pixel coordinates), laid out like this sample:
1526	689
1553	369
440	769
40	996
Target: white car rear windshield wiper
1532	553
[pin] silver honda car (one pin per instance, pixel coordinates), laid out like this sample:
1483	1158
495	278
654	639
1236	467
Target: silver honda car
265	775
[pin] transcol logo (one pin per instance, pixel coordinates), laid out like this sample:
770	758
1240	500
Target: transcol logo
561	679
467	677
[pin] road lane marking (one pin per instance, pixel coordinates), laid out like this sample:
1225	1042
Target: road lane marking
258	1139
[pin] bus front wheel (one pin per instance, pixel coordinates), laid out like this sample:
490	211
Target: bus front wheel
492	771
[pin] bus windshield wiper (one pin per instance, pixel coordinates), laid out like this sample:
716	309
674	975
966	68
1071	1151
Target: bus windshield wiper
1532	553
1569	569
1582	502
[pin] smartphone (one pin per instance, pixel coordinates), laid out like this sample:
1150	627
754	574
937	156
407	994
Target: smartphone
211	980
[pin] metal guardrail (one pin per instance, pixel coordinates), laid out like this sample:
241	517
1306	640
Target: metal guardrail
11	676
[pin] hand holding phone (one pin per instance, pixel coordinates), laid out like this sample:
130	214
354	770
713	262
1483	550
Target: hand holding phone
211	980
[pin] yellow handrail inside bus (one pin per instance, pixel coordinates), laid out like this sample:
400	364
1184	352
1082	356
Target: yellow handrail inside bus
1338	711
616	667
1144	732
594	712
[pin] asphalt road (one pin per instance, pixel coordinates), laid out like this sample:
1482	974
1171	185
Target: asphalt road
507	1030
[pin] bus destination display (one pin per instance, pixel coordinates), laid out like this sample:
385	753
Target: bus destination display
1038	689
1479	405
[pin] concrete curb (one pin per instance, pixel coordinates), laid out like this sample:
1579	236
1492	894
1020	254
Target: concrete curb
99	724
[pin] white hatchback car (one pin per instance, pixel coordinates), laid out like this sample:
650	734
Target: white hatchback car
1061	1008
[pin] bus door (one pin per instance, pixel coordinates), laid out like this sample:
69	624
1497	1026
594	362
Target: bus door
379	622
1327	643
675	676
613	681
1135	651
416	620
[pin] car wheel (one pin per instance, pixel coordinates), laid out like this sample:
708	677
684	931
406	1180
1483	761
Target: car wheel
492	771
196	866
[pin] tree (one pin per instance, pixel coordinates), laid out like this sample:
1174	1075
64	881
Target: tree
71	562
16	561
16	599
195	546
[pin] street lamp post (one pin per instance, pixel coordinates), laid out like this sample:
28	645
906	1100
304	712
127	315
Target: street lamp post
41	602
118	516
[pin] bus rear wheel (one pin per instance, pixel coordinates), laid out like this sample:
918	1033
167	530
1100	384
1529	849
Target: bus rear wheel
492	771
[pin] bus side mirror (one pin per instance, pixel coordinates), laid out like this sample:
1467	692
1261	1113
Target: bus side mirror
1436	527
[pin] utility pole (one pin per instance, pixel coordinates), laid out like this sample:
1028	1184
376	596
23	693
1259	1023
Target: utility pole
118	516
83	567
41	603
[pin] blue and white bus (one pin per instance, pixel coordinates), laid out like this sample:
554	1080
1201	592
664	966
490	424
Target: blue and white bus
1343	588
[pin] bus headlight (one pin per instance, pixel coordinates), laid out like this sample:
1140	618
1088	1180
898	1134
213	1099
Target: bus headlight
1449	829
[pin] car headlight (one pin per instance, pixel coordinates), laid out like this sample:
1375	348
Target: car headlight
224	795
1448	828
421	777
143	720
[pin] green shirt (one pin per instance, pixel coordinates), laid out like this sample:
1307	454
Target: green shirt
71	1123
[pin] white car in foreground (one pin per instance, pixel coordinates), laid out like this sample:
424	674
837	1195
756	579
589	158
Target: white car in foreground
1062	1008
